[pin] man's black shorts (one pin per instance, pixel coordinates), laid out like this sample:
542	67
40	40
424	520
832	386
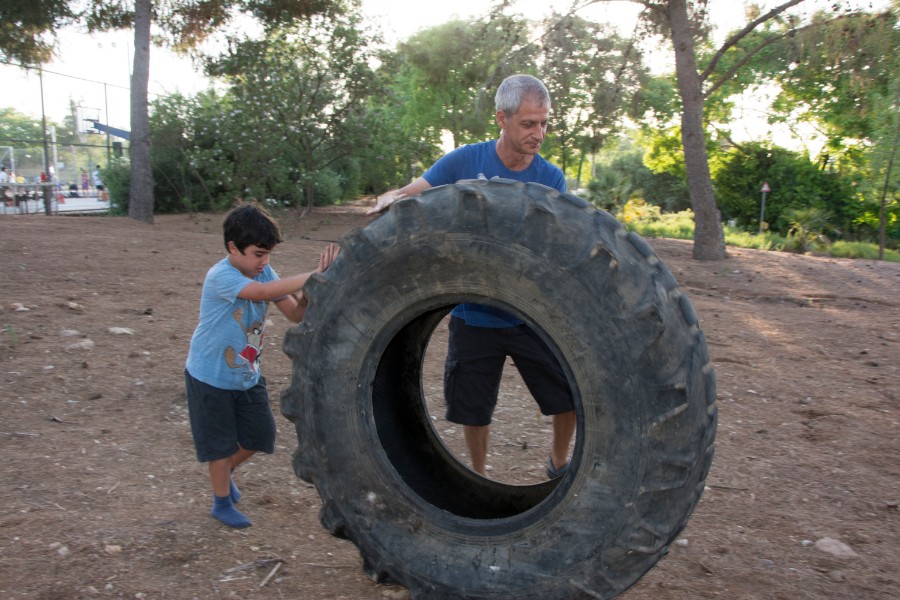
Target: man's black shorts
223	420
472	373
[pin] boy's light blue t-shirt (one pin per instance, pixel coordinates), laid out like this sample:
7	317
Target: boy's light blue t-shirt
228	340
477	161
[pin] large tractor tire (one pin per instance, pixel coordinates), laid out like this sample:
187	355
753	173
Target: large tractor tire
626	337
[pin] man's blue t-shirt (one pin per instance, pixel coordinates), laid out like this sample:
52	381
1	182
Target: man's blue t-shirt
228	340
480	161
477	161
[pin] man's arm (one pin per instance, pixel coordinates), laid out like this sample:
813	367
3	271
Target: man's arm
384	201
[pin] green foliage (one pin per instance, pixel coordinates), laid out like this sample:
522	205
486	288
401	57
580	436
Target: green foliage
807	228
17	126
795	183
868	251
649	222
447	75
297	102
609	190
178	185
329	187
28	29
620	173
292	127
593	77
117	179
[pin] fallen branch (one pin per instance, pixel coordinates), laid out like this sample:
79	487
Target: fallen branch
58	420
271	574
262	562
728	487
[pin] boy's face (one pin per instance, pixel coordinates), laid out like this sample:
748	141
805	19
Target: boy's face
251	261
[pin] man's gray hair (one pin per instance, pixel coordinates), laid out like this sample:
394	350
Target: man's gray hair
515	88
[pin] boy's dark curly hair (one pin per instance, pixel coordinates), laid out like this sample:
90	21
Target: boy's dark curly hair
248	223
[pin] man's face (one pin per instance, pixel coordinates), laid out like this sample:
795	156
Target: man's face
526	129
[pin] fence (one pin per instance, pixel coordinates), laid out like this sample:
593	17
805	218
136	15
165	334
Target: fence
34	198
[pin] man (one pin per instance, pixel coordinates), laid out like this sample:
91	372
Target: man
481	337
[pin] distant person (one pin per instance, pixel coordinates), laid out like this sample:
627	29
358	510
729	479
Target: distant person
4	185
228	402
481	337
85	182
98	183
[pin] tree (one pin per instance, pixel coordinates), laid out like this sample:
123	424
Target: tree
300	101
186	24
28	27
839	74
140	197
449	73
592	76
684	23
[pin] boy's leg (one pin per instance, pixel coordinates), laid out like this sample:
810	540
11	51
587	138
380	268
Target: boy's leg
223	507
213	429
220	476
238	457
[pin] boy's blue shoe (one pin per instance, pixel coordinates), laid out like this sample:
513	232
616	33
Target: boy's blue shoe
223	509
234	493
553	472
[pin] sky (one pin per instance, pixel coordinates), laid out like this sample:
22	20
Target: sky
94	70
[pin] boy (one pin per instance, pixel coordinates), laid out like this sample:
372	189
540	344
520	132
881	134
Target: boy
227	398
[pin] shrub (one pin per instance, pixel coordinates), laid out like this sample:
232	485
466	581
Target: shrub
117	179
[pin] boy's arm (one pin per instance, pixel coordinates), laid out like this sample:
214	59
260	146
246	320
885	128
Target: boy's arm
273	290
293	305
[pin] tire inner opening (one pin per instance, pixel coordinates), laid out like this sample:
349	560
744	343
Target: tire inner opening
407	403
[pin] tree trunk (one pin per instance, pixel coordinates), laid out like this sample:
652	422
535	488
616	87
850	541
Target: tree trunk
709	239
140	204
310	196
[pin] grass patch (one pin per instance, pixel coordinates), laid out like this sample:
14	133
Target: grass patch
648	222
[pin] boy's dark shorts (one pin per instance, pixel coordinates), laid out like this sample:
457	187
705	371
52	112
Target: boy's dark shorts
472	373
224	420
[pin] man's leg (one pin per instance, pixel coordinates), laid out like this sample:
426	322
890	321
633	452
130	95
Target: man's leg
477	441
548	385
563	430
472	375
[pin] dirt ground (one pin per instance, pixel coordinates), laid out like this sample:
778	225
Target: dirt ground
102	497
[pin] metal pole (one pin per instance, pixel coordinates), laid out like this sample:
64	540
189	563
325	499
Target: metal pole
106	104
46	189
762	212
